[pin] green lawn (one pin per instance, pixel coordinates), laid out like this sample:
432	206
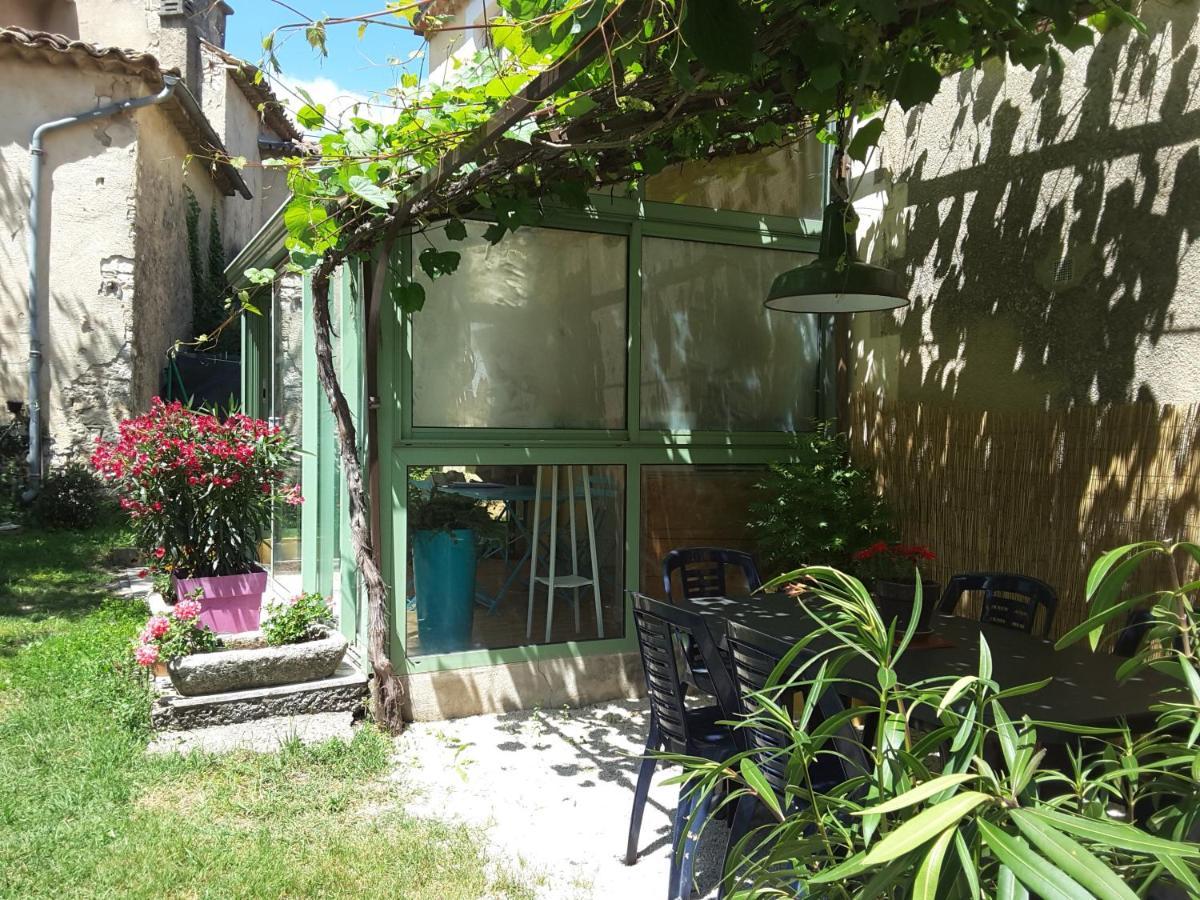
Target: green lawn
84	812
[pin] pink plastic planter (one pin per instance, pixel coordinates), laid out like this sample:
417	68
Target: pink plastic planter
231	603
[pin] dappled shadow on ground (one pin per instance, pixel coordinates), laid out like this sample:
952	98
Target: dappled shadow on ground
51	573
554	789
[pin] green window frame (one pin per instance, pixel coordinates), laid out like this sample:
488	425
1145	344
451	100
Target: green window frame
403	445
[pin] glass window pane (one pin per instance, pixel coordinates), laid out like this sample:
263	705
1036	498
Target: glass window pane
529	333
287	328
471	549
694	506
784	182
713	357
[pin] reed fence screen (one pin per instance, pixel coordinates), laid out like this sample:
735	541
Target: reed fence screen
1042	493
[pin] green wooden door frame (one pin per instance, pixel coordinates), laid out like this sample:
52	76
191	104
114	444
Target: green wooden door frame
402	444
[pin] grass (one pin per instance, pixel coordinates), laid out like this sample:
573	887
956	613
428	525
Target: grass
85	812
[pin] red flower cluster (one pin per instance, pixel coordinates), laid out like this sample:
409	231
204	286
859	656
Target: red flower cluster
891	561
199	489
914	553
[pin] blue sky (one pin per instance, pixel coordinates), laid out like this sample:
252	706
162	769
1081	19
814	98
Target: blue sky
354	68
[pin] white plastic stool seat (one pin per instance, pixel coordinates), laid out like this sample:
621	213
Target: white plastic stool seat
552	580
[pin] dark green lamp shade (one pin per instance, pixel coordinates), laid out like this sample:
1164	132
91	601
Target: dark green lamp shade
836	281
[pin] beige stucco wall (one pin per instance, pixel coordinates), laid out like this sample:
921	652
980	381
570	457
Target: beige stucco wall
163	314
1046	223
240	125
88	207
116	283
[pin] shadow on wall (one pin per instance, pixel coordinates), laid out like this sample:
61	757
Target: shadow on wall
1047	235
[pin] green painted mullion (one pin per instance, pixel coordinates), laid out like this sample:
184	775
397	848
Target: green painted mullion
351	375
595	456
391	534
633	328
405	357
764	238
398	620
310	445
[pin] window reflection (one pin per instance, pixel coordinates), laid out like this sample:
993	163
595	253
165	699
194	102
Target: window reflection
474	533
694	506
713	358
529	333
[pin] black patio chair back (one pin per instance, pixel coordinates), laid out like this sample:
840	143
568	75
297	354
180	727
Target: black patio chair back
1009	599
754	657
659	625
703	571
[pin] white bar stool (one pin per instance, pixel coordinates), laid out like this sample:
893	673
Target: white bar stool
553	580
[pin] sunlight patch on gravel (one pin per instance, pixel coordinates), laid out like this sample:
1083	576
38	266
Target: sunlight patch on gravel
552	791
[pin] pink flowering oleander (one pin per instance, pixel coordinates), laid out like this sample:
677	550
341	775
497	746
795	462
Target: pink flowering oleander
186	610
197	487
146	655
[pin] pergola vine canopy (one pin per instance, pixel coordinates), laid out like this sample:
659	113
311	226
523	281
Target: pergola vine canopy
577	94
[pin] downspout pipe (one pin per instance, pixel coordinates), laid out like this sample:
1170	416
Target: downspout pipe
37	152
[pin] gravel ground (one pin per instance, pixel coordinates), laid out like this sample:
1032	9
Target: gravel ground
261	735
553	790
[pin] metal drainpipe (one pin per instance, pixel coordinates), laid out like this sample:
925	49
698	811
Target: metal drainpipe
37	154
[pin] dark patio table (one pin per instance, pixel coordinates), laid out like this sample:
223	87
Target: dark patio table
1084	690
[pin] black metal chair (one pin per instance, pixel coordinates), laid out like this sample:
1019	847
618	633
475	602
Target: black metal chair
1008	599
677	729
704	572
755	656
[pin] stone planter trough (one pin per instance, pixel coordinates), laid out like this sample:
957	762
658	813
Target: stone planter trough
249	663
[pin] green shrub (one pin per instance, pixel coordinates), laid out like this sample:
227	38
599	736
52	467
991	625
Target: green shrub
971	807
818	509
14	447
295	620
71	497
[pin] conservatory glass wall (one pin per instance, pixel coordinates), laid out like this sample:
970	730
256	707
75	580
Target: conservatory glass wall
580	398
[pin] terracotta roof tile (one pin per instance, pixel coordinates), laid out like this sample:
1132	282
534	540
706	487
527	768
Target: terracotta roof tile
182	111
57	48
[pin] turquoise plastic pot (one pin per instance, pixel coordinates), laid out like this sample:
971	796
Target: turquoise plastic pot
444	584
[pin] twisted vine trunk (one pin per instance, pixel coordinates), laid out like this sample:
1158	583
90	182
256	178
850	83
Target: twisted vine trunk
387	690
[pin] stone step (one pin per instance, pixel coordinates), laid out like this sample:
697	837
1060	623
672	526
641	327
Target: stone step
260	736
343	692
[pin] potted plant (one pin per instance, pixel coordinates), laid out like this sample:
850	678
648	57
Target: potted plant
445	529
817	508
297	644
200	491
178	633
892	569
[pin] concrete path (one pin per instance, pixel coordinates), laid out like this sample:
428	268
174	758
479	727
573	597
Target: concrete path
552	791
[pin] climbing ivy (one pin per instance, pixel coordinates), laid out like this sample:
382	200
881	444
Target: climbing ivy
209	288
